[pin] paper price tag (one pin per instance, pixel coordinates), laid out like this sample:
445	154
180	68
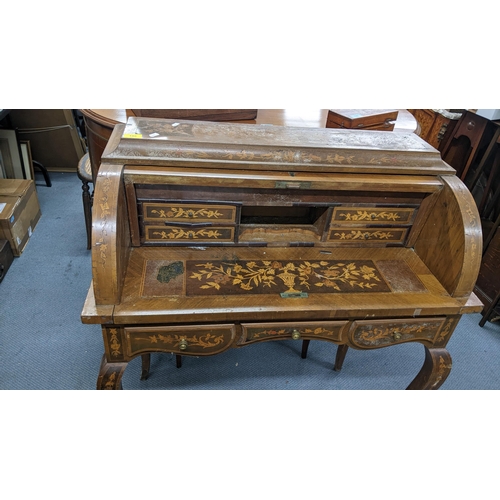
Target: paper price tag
132	136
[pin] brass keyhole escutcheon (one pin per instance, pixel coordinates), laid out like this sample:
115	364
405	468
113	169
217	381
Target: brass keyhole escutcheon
183	344
295	335
372	216
396	335
190	213
366	235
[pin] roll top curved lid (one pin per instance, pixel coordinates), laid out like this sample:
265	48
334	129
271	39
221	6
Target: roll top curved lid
216	145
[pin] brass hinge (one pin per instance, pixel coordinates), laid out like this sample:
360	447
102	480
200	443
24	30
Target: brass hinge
294	295
292	185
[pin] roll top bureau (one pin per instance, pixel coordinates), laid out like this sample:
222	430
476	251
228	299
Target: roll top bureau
211	236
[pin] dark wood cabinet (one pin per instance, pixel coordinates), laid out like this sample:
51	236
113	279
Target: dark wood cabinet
436	125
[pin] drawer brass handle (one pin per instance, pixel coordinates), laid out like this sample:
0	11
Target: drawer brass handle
190	213
366	235
396	335
183	344
295	335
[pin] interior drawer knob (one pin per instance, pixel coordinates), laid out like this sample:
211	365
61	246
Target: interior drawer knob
183	344
295	335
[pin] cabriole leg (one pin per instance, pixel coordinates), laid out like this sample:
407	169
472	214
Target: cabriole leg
435	370
110	374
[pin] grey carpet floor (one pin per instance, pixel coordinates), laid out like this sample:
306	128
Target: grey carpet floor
43	344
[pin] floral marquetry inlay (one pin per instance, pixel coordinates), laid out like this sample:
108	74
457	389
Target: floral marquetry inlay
182	234
364	235
375	334
188	234
104	212
180	212
365	216
372	215
274	332
178	140
114	343
204	341
111	382
283	276
384	334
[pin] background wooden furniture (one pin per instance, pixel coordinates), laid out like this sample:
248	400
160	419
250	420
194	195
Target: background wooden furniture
436	125
54	138
199	114
461	148
365	119
473	149
212	236
84	172
488	282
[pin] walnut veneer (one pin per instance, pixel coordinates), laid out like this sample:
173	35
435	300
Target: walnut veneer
211	236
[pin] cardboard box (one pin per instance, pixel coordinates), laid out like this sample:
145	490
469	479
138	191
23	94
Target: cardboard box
19	212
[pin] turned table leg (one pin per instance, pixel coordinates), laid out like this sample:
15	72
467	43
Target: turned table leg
110	374
339	358
305	346
145	365
435	370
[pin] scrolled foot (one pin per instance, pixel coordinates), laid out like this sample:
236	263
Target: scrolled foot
434	371
110	375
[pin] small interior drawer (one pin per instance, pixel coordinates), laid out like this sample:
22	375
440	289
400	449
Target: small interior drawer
372	215
188	233
356	234
188	212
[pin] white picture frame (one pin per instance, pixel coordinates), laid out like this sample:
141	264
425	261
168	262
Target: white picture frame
29	170
3	175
